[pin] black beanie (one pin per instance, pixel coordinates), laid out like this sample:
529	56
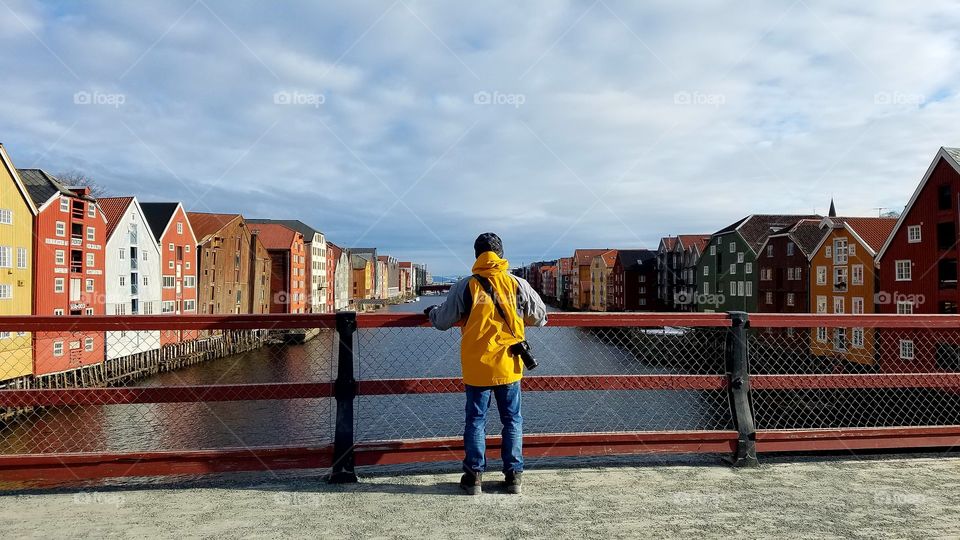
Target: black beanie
488	242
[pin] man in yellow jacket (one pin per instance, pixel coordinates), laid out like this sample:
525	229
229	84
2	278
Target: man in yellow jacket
490	368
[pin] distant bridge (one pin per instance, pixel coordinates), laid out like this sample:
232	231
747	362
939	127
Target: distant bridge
435	287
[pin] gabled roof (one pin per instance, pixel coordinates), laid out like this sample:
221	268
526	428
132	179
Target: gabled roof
609	257
158	215
755	228
12	171
667	243
634	258
872	232
584	257
205	225
688	241
42	186
952	157
275	236
295	224
806	234
114	208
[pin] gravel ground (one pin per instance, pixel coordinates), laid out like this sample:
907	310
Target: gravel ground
895	497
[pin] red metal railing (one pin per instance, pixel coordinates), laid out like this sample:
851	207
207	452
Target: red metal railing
696	359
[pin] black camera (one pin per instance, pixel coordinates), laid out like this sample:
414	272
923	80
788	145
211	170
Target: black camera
525	353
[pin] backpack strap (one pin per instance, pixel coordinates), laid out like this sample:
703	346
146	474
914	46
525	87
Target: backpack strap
488	288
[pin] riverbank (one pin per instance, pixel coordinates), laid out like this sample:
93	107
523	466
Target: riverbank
890	497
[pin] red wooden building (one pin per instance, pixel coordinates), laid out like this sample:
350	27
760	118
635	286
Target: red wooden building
288	279
633	281
783	268
918	270
69	240
178	266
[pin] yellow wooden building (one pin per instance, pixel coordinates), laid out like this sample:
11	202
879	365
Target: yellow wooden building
17	213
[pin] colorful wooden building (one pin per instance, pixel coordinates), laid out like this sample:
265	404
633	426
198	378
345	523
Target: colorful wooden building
132	275
178	263
17	214
582	259
600	269
633	281
315	244
233	266
918	270
843	279
70	234
783	268
288	267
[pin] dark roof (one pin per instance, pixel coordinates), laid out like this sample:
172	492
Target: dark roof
158	215
631	259
755	229
295	224
42	186
114	208
954	153
806	234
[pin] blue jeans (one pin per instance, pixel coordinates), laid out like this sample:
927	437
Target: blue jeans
474	433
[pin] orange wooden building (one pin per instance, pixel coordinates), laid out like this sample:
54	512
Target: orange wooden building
844	279
178	266
288	267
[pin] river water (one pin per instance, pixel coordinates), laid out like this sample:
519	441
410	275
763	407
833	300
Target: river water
382	353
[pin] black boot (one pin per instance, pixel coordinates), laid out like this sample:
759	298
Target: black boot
470	483
512	481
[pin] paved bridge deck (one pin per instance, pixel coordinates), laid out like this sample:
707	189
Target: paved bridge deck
890	496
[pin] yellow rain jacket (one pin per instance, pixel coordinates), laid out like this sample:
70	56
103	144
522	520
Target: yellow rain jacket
486	338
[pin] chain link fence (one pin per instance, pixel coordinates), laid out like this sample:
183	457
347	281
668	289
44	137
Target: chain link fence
165	390
854	377
562	351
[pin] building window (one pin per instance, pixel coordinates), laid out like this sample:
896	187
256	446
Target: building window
89	285
857	338
189	282
852	250
904	270
713	250
748	268
740	257
838	304
839	251
58	348
733	247
904	308
123	281
857	276
828	252
58	285
89	311
61	229
733	268
840	339
168	306
769	251
747	288
6	216
189	305
857	306
169	282
58	312
6	292
839	278
913	234
64	204
60	257
90	259
790	299
88	343
170	247
179	227
123	254
906	349
733	288
769	297
170	265
821	275
789	274
187	248
821	304
822	334
789	248
706	288
92	210
146	280
91	234
6	257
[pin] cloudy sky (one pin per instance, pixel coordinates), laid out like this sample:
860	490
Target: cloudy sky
414	125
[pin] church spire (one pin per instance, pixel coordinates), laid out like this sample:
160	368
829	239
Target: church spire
833	210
